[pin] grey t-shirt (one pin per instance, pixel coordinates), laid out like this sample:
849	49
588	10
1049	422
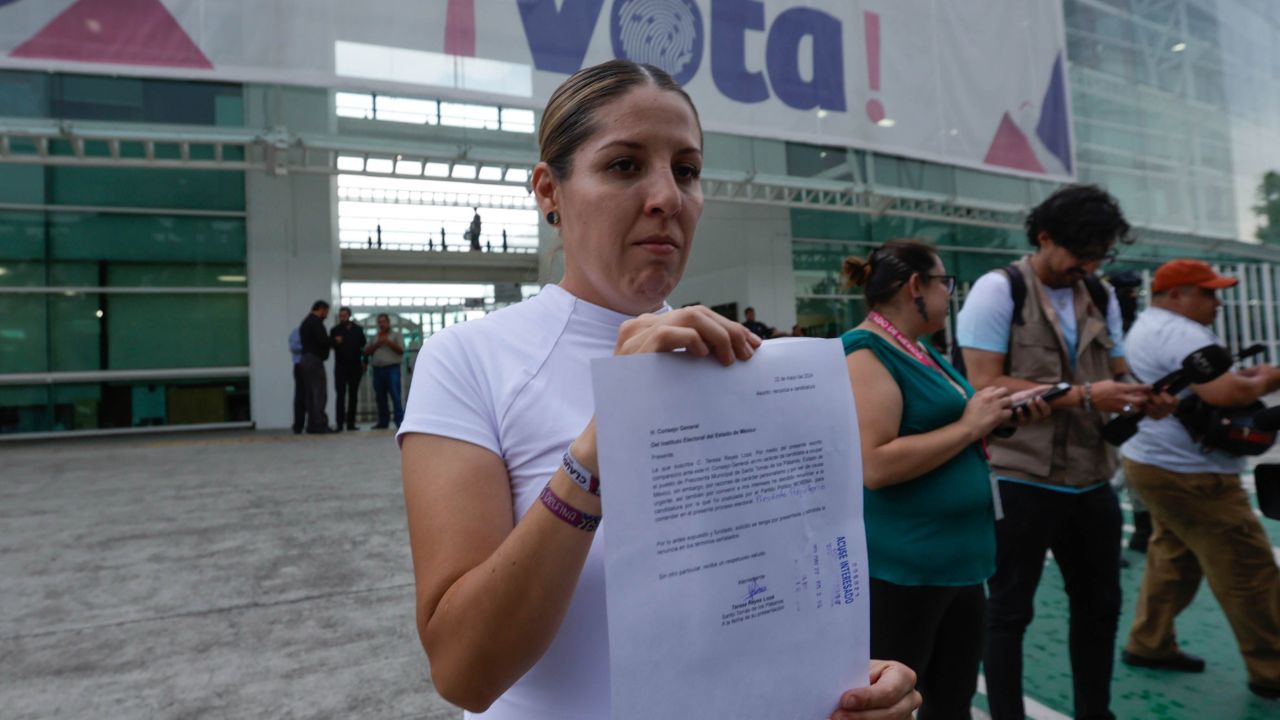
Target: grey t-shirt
1157	344
385	356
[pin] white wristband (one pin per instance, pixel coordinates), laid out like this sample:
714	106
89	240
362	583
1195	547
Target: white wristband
580	476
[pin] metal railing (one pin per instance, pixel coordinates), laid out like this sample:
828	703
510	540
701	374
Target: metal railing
430	245
483	201
281	151
99	376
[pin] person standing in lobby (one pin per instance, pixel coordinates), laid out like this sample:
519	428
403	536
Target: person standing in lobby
348	342
315	350
386	353
299	387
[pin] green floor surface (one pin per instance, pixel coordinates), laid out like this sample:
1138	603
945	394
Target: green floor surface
1138	694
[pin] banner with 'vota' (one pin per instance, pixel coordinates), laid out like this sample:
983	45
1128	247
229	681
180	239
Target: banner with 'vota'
979	83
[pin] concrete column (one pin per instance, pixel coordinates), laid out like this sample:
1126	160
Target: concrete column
293	256
293	261
742	254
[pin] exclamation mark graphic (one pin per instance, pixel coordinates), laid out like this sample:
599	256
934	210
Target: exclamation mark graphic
871	22
460	28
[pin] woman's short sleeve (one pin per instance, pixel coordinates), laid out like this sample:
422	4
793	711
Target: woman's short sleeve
450	395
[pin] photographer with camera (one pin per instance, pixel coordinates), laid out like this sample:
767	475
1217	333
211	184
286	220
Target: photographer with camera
1043	320
1201	518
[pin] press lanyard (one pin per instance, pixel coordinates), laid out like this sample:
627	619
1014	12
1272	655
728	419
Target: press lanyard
914	350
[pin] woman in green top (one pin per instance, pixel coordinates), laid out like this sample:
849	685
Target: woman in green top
930	517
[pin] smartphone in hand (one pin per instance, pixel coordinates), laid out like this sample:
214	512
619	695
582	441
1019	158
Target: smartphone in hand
1049	395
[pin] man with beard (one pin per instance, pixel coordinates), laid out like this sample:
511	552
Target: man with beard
1043	320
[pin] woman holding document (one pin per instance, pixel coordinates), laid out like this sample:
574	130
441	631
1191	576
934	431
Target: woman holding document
499	451
928	503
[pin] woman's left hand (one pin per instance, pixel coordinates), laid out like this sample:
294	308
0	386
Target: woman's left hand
1036	409
891	696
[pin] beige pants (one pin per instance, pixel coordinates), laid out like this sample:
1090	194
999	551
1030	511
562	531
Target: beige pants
1203	526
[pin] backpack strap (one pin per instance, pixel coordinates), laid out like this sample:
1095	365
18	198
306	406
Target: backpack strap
1098	293
1017	290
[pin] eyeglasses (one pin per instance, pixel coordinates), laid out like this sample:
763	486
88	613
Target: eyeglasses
949	281
1104	259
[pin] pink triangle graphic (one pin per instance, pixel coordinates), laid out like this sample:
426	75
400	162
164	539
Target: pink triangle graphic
1011	149
123	32
460	28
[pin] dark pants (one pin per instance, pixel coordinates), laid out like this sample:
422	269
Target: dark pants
299	399
313	382
346	384
1083	531
386	381
936	631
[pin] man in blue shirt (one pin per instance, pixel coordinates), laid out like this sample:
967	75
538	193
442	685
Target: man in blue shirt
1054	475
299	387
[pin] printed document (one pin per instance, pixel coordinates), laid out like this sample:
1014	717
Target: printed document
735	555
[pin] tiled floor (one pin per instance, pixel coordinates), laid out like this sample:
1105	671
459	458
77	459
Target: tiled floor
252	576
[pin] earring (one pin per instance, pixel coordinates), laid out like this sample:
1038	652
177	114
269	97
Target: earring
553	218
920	308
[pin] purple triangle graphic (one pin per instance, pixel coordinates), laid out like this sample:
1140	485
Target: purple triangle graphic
123	32
1054	127
1011	149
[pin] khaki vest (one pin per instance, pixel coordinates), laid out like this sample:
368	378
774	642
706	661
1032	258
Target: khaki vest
1066	448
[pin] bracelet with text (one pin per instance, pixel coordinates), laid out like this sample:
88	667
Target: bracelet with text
580	476
567	512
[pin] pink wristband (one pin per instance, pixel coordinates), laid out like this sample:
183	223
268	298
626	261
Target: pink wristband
568	513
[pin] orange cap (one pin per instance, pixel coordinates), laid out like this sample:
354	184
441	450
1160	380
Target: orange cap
1177	273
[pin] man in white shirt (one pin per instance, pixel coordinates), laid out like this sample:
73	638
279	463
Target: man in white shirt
385	354
1203	524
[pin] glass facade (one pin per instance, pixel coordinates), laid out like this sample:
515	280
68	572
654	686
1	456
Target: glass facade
1176	110
120	269
93	97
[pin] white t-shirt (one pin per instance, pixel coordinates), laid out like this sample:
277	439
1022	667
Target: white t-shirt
1158	343
985	320
518	382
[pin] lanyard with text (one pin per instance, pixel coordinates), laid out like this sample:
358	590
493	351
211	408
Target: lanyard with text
914	350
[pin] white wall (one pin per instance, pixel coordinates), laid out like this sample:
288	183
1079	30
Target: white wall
742	254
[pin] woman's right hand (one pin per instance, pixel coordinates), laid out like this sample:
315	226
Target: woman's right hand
696	330
987	409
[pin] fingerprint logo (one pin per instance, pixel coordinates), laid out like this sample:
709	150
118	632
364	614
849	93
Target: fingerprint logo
665	33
